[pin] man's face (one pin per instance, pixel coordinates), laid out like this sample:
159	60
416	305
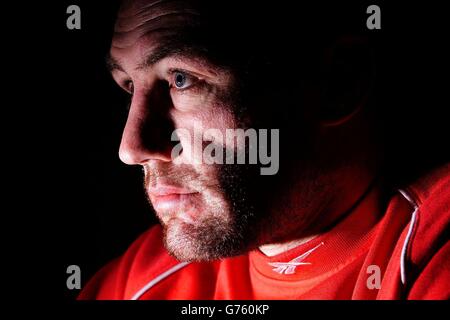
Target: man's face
202	207
185	95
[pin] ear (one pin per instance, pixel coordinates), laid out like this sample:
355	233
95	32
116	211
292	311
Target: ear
348	74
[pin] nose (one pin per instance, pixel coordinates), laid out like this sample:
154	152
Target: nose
147	132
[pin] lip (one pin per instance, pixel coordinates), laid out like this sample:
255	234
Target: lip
161	191
168	198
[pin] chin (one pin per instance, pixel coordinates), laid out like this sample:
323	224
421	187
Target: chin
205	241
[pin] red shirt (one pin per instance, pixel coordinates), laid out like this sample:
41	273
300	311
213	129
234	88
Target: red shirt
401	254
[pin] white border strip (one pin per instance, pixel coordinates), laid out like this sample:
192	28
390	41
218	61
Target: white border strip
408	235
162	276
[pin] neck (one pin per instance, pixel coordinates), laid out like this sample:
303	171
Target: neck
370	199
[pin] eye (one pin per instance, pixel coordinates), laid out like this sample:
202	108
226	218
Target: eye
129	87
182	80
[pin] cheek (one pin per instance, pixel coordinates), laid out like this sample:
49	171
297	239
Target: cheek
214	124
185	102
192	100
196	130
213	195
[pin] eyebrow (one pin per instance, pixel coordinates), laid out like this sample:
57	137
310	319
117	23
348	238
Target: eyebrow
112	64
159	53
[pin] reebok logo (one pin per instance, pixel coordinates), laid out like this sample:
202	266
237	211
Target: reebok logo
289	267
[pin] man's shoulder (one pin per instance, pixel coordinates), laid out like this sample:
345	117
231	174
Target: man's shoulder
148	262
432	186
431	196
147	255
149	247
145	260
430	226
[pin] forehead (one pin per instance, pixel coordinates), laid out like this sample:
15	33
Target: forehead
144	26
149	19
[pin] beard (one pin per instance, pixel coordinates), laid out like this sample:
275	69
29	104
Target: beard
224	223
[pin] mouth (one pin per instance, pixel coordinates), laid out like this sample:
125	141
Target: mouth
173	199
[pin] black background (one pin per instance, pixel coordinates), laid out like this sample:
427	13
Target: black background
100	200
74	193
